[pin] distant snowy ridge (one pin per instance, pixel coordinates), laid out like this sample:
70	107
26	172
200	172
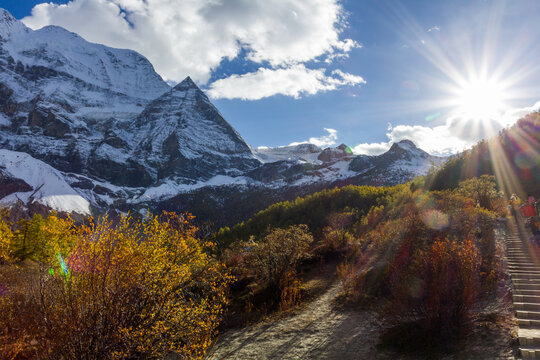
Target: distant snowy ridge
306	152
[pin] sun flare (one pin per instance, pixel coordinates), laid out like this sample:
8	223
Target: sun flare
480	99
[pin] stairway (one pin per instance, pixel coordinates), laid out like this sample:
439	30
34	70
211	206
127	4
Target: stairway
524	267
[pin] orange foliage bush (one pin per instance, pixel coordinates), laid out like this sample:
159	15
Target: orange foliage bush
431	255
440	288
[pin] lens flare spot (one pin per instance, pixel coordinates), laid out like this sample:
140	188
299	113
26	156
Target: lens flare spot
527	160
63	265
432	117
435	219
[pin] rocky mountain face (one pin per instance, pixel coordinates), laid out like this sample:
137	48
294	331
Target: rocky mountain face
88	128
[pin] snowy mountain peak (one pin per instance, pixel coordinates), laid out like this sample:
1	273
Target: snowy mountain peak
182	134
5	16
406	144
406	149
120	71
9	25
187	83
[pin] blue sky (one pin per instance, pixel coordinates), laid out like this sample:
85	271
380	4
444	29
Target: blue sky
375	71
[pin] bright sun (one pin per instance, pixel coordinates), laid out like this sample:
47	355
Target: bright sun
480	99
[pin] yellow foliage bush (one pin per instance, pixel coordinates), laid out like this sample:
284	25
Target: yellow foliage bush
134	289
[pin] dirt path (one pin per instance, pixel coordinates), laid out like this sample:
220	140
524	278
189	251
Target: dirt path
318	331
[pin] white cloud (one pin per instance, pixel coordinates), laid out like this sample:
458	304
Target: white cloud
453	136
511	116
192	37
295	81
434	28
371	148
323	141
438	140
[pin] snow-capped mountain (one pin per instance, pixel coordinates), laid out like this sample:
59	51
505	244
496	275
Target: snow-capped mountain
105	118
84	126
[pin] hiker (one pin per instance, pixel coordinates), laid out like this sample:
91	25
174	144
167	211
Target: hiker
513	204
528	209
532	201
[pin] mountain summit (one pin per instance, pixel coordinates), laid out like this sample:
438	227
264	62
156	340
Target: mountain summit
182	134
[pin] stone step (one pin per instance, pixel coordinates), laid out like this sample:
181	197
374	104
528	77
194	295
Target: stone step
527	298
529	323
529	353
529	315
521	278
510	260
525	276
523	260
529	338
525	273
522	264
526	287
518	268
529	263
527	292
525	306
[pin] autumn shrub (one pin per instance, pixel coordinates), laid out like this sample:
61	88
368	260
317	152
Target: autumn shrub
267	269
431	257
483	191
336	241
136	289
278	253
372	218
440	288
365	269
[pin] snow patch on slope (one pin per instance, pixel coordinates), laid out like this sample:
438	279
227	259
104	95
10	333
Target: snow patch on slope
4	121
171	188
49	186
